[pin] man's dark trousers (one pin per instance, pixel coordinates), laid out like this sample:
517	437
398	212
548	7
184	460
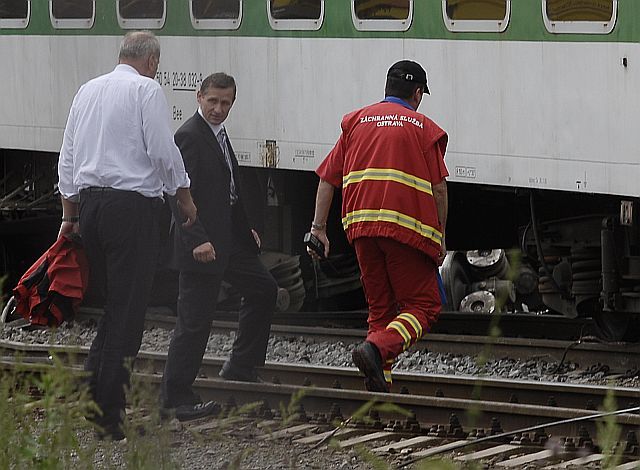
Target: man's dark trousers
196	308
120	234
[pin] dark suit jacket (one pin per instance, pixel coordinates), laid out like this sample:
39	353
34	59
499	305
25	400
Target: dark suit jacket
218	222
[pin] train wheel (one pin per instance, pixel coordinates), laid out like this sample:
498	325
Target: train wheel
617	326
455	279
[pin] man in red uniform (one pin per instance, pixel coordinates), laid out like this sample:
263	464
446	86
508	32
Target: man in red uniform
389	161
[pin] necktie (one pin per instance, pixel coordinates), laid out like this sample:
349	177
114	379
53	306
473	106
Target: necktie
222	140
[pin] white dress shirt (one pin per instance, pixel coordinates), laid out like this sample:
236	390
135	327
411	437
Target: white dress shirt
118	136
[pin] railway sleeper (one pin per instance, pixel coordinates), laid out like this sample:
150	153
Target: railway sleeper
399	447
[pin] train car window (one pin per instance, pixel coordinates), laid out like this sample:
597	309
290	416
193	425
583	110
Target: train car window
295	14
216	14
382	15
14	13
295	9
476	15
583	16
134	14
72	13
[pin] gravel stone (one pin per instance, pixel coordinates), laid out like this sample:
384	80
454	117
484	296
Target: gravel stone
298	349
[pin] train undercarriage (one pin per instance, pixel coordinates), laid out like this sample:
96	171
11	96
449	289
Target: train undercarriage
577	255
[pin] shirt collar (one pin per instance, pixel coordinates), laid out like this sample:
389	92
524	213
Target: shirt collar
214	128
126	68
396	100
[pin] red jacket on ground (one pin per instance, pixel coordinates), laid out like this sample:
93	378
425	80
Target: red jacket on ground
54	286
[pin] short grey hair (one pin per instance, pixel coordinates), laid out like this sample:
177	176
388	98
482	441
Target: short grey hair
139	45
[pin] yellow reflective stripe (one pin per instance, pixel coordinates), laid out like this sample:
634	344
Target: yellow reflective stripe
387	376
413	321
387	174
400	328
386	215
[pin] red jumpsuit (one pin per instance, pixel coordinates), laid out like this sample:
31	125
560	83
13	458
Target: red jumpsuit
386	161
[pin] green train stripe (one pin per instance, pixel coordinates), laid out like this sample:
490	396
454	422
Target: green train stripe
526	23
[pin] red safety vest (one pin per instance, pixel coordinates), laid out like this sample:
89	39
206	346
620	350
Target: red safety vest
386	161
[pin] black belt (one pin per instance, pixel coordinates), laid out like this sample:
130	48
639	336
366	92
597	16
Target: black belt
99	189
104	190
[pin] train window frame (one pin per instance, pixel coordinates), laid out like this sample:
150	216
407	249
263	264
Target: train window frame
381	25
296	24
580	27
142	23
215	23
72	23
17	23
476	26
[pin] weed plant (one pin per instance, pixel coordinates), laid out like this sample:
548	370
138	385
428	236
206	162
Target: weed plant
42	418
149	439
609	433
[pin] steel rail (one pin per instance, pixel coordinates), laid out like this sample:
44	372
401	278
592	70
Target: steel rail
619	357
428	385
476	324
430	412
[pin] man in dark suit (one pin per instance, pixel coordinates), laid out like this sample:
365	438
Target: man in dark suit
220	245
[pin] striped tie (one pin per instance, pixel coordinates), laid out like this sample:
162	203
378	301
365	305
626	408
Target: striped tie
222	140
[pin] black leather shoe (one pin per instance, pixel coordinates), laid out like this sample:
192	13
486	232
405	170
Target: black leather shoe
199	410
113	434
228	372
367	358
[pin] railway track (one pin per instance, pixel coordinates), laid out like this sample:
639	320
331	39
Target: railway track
464	428
562	395
520	324
513	325
449	414
620	358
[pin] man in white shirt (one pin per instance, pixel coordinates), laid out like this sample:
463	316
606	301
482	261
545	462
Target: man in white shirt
117	158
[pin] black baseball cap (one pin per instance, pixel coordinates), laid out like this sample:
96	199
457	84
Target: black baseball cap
409	71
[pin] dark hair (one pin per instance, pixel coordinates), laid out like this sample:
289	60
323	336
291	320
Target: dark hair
400	88
218	80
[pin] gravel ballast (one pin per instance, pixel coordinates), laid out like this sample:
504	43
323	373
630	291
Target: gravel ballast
240	446
302	350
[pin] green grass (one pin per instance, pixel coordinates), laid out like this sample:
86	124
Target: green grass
42	418
609	433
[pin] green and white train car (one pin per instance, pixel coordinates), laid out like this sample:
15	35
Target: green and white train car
541	100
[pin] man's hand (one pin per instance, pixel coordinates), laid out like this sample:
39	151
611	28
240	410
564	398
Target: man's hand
68	227
186	207
322	236
70	213
324	196
256	237
188	210
442	253
204	253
